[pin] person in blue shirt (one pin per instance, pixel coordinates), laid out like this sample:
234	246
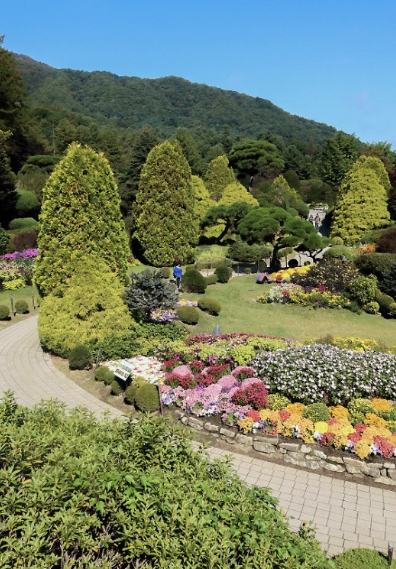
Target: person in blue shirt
177	273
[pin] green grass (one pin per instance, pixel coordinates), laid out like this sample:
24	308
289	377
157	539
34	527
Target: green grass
19	294
362	559
240	313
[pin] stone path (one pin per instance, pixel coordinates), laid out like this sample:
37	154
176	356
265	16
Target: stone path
345	514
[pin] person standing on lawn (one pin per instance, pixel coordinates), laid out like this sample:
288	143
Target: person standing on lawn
177	273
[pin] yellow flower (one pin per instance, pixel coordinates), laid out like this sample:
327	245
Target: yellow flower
381	405
321	427
295	408
348	429
245	425
362	449
339	412
372	420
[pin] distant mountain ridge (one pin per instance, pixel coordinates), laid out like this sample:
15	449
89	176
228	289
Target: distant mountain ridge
165	104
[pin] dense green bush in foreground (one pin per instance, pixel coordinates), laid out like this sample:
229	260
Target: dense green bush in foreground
76	492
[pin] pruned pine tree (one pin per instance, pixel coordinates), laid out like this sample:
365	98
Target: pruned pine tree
166	225
80	213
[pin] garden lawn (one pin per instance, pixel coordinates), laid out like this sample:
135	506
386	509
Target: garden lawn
240	313
24	293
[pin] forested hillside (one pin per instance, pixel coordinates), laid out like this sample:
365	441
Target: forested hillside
164	104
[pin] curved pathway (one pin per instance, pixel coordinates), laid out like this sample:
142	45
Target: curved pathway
345	514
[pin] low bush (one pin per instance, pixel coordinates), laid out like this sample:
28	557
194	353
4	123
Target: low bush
188	314
248	271
336	241
165	271
149	291
384	301
108	466
374	263
147	398
388	282
371	307
193	281
277	402
24	240
4	241
21	307
223	274
211	279
335	275
116	388
387	242
210	305
23	223
363	289
358	408
103	373
80	357
130	392
362	559
4	312
117	347
339	252
317	412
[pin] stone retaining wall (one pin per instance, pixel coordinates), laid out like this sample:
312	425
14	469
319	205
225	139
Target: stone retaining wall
312	457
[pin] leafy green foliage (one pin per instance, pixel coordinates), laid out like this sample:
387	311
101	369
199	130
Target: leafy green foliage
8	196
27	203
339	153
148	291
242	252
332	273
80	213
223	274
111	472
90	311
375	263
388	282
256	157
317	412
166	225
218	176
363	289
147	398
23	223
80	357
4	240
210	305
362	559
103	373
235	192
193	281
385	302
202	201
226	217
188	314
4	312
21	307
211	279
339	252
116	388
362	201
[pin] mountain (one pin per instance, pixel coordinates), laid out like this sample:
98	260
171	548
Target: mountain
164	104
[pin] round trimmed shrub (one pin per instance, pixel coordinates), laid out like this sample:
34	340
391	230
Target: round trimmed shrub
21	307
375	263
211	279
392	310
80	357
190	268
188	314
103	373
165	271
337	241
130	392
306	263
116	388
146	398
317	412
193	281
338	252
360	559
276	402
23	223
385	301
248	271
358	408
210	305
223	274
371	307
4	312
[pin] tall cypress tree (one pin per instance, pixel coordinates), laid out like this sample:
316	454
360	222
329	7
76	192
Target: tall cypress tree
80	213
218	176
8	195
166	225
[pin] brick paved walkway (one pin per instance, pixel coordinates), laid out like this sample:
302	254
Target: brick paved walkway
345	514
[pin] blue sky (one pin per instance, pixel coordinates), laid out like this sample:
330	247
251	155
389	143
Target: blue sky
327	60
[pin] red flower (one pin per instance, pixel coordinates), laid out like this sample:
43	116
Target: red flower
360	428
326	439
205	379
254	395
255	415
332	421
386	449
354	437
284	415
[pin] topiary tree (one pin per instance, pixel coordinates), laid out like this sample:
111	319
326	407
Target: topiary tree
193	281
80	213
148	291
166	225
362	202
218	176
90	311
223	274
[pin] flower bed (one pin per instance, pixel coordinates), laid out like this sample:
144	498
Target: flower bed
16	269
285	274
289	293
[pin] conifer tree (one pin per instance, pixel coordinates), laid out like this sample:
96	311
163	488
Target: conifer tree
166	225
362	201
218	177
8	195
235	192
202	201
80	213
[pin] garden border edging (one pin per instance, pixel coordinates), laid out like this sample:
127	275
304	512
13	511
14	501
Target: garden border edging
306	456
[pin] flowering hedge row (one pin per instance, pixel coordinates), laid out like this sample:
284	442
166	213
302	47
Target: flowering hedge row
289	293
285	274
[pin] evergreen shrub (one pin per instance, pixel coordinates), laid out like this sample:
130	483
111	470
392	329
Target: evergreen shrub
384	301
223	274
375	263
103	373
372	307
80	357
146	398
4	241
21	307
210	305
165	271
190	267
130	392
363	289
26	239
4	312
362	558
317	412
119	346
116	388
188	314
193	281
387	242
338	252
337	241
392	310
23	223
248	271
388	282
148	291
211	279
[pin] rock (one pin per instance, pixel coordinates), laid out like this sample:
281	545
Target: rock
269	440
305	449
179	414
244	440
263	447
389	465
320	454
293	447
370	470
352	469
292	460
387	481
227	433
184	420
195	424
392	474
211	428
333	467
336	459
297	455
